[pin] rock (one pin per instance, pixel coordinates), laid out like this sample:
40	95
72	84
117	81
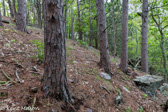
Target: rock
165	86
34	89
87	62
75	62
105	76
162	90
70	80
89	110
126	89
149	84
118	99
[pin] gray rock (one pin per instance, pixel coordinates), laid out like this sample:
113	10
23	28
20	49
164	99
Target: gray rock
162	90
70	80
105	76
75	62
34	89
149	84
165	86
118	99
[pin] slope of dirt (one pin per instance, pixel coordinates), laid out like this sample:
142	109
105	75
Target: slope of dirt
89	90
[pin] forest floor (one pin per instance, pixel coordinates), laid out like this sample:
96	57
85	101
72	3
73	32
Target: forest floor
91	92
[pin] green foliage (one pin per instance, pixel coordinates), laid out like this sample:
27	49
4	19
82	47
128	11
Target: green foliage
83	43
140	110
39	50
145	95
128	109
70	48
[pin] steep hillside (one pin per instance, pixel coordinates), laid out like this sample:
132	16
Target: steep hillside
18	56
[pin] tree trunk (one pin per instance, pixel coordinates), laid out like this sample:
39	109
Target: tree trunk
4	8
104	50
11	9
124	41
38	7
72	21
90	36
144	50
163	55
79	20
54	79
1	19
21	16
14	8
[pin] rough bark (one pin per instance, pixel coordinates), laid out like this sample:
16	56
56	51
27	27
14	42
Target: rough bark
124	41
72	21
21	16
14	8
0	19
54	79
11	9
4	9
144	50
163	55
38	8
90	20
79	21
104	50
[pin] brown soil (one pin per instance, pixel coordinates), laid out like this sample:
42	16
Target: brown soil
88	89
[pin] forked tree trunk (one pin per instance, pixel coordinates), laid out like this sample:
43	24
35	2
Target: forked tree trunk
11	9
21	16
54	79
104	50
124	41
144	50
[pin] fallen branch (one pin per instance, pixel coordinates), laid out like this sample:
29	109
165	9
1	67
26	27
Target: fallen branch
20	80
8	77
3	82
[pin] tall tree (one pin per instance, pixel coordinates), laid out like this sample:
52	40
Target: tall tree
79	21
4	8
144	50
54	79
124	41
11	8
90	20
38	8
104	50
0	19
14	8
21	16
72	22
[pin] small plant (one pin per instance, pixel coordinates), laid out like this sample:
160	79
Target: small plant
128	109
7	30
70	48
13	40
39	49
98	77
145	95
140	110
8	45
82	43
127	87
